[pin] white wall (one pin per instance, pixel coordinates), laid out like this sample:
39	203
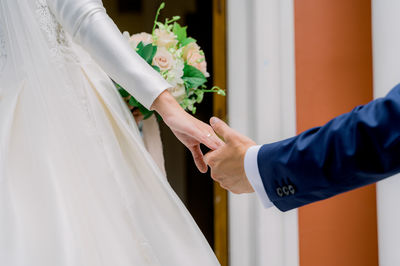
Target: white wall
262	106
386	52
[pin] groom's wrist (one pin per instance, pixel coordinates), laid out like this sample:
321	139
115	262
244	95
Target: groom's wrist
253	175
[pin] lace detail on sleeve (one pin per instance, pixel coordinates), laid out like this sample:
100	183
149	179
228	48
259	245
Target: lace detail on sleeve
59	40
3	49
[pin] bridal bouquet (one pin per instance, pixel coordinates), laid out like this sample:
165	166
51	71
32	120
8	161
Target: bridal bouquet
178	58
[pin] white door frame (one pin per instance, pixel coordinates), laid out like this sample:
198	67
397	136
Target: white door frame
386	58
261	104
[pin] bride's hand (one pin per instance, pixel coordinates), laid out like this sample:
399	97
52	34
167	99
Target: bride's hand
189	130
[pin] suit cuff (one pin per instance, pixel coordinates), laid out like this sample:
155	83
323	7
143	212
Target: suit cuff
254	177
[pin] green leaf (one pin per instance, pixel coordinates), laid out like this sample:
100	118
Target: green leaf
133	102
140	46
147	114
156	68
194	82
121	90
191	71
193	77
187	41
180	32
143	110
123	93
147	52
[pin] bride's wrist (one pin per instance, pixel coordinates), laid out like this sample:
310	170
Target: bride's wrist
166	105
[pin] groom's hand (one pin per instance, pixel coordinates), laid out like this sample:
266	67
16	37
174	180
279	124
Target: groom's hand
227	162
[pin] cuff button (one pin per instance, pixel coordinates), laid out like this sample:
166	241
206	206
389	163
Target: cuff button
292	189
286	190
279	192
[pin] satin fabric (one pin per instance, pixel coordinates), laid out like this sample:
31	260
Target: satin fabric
77	186
89	25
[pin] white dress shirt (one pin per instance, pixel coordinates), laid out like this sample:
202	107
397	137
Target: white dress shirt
254	177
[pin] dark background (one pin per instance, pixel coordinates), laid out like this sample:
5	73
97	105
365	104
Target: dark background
194	189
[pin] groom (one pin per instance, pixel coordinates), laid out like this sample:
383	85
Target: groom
352	150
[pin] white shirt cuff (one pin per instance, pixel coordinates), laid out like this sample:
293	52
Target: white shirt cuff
254	177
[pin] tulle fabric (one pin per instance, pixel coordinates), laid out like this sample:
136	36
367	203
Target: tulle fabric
77	186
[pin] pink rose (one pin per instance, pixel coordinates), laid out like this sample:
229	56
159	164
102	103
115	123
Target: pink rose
163	59
190	48
143	37
198	60
165	38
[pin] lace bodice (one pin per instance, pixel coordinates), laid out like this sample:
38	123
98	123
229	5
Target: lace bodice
3	48
59	41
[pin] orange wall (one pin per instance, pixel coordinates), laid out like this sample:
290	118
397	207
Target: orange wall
334	74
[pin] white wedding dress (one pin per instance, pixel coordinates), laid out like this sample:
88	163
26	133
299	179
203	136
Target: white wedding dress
77	187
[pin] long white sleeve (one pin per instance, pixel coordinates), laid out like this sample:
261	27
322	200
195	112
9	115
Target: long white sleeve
91	27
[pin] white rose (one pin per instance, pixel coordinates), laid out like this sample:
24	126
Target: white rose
174	75
165	38
178	92
163	59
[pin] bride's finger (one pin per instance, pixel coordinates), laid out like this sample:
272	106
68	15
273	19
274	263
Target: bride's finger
211	140
198	158
219	142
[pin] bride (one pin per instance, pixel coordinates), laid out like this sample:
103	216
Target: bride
77	187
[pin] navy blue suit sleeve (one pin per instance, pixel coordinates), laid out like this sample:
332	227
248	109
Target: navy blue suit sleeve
355	149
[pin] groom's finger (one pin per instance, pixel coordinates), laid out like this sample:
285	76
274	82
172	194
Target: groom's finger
221	128
211	158
198	158
208	157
